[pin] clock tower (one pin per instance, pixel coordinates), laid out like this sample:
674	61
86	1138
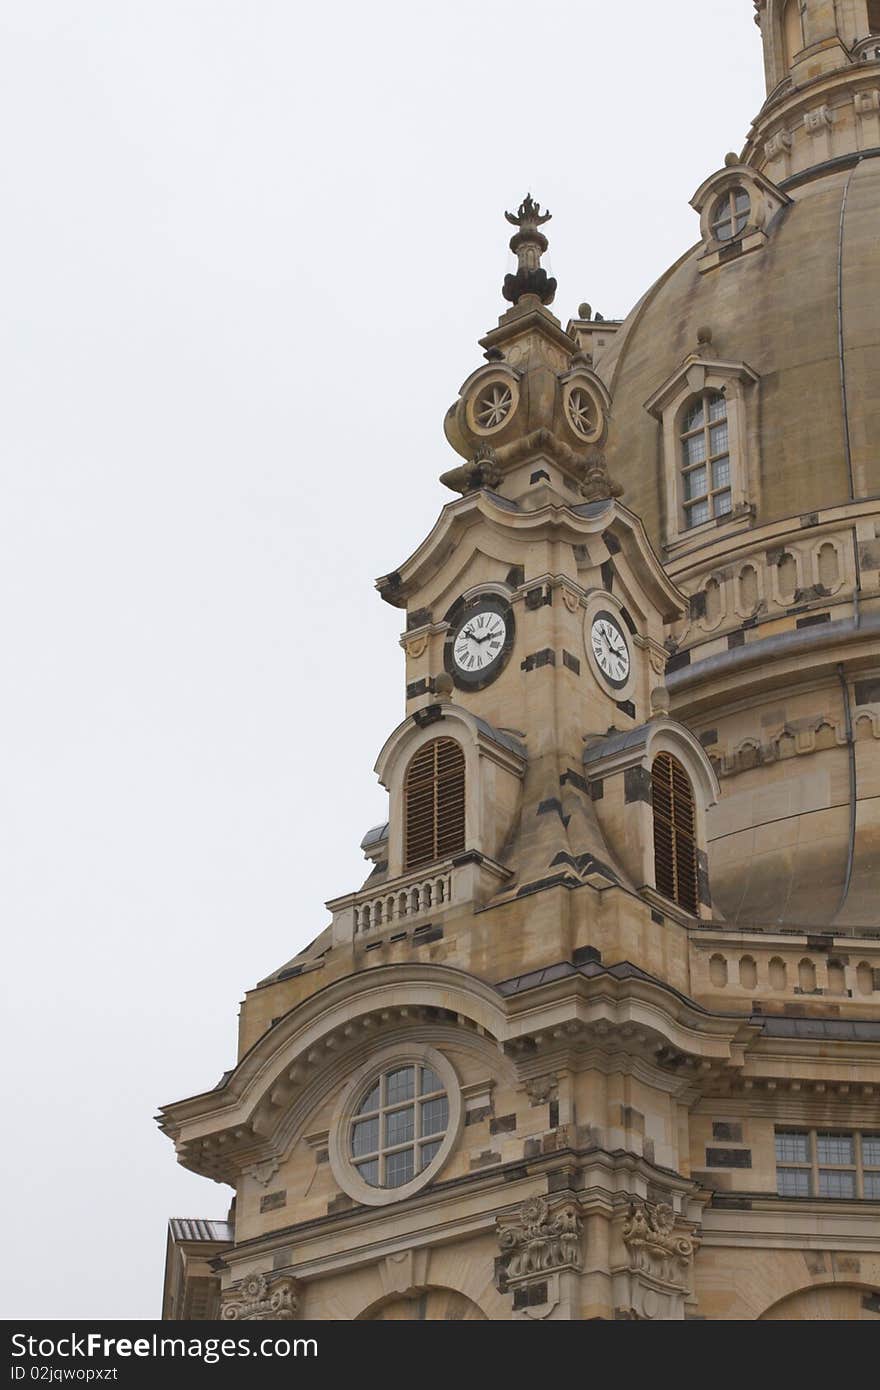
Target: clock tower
527	1069
471	1081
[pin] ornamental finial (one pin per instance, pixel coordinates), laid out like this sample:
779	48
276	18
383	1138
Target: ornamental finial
528	245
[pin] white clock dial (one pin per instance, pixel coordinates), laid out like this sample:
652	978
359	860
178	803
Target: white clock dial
610	649
480	640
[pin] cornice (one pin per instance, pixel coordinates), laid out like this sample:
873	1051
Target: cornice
563	522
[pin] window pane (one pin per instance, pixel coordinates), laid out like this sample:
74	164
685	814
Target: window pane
435	1116
717	408
718	441
740	225
370	1172
724	230
430	1082
694	418
698	514
792	1147
721	473
872	1186
370	1101
835	1148
743	202
793	1182
695	449
399	1168
695	483
833	1183
400	1085
429	1152
871	1150
365	1137
400	1126
722	503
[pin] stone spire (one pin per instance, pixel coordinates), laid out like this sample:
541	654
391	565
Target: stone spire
528	245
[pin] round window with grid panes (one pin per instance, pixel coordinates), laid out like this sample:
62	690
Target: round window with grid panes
396	1126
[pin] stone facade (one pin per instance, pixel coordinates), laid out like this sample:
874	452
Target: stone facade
569	1062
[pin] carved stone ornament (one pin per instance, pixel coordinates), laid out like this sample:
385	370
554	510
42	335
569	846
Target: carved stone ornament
261	1298
263	1172
542	1089
417	646
479	472
655	1247
540	1237
528	245
598	485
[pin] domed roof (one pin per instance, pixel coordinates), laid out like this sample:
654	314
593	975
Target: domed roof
786	311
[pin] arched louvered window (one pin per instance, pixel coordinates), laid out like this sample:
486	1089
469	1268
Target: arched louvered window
675	829
433	795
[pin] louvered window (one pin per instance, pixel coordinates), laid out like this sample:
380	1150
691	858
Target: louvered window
434	803
675	846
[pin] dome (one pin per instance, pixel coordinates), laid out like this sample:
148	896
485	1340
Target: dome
777	311
777	669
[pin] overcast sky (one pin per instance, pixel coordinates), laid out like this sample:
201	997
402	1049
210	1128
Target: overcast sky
248	247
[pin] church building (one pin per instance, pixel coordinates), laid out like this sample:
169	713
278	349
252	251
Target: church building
599	1034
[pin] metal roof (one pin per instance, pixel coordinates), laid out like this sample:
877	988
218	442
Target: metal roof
194	1228
840	1029
615	743
375	835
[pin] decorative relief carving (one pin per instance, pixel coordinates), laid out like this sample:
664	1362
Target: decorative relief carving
261	1298
655	1247
542	1089
417	646
778	146
540	1237
571	600
598	485
794	742
264	1172
819	119
867	103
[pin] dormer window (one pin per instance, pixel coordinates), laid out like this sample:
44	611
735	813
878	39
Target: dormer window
738	207
730	216
707	412
705	449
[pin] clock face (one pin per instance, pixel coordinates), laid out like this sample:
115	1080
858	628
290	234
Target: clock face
610	649
479	643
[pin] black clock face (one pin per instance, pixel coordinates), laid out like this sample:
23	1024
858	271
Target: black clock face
478	642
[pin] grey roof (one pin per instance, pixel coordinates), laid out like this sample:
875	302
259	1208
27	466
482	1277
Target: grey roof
497	736
623	970
194	1228
592	508
615	743
504	502
840	1029
375	836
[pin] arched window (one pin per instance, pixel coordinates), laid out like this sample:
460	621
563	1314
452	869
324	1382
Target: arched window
730	215
792	32
705	460
675	828
433	795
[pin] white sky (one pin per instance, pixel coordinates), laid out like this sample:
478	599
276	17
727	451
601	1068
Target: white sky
248	247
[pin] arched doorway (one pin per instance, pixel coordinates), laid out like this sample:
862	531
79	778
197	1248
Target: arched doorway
830	1303
434	1305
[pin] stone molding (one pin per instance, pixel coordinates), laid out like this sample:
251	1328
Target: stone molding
261	1298
654	1245
539	1237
